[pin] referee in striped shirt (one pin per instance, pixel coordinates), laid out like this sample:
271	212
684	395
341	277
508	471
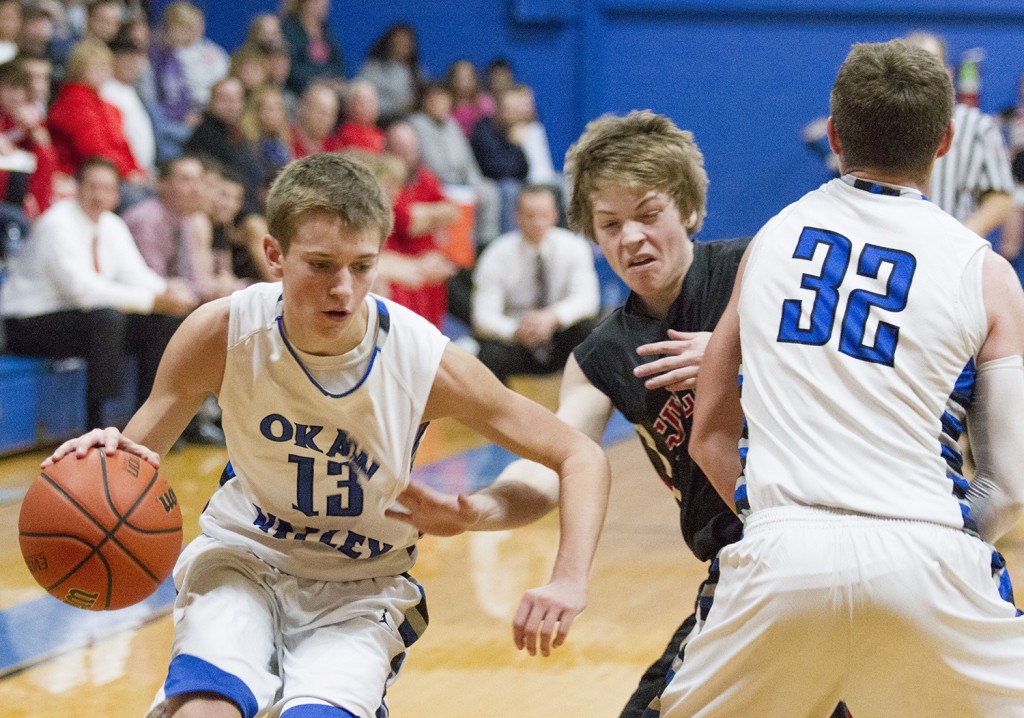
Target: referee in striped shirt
973	181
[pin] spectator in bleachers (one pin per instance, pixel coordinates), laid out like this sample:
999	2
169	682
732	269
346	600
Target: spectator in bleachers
38	38
79	287
213	268
314	51
23	128
249	64
315	120
498	147
446	152
393	67
471	103
265	123
498	76
238	252
10	28
169	133
39	70
103	19
535	292
129	62
265	32
171	91
232	259
535	144
279	64
72	24
359	128
422	214
395	268
82	124
165	233
219	137
204	61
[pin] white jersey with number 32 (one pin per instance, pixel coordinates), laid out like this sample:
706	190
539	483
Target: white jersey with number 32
856	322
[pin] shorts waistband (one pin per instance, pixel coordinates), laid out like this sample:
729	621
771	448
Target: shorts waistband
764	518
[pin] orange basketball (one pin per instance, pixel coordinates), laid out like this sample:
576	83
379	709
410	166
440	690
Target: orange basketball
101	532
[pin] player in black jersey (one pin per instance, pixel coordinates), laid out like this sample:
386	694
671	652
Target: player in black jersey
639	191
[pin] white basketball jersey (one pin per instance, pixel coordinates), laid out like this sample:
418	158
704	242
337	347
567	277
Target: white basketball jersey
860	308
320	446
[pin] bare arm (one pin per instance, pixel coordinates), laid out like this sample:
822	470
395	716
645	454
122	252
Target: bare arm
191	367
465	390
426	217
996	492
524	491
717	414
992	211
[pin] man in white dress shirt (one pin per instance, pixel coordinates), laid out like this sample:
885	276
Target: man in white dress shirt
79	287
535	292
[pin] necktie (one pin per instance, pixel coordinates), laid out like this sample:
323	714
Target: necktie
541	352
96	252
540	284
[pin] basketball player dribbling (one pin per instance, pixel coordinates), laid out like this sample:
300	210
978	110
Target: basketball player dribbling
296	596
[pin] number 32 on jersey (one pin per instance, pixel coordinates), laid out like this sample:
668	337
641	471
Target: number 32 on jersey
826	286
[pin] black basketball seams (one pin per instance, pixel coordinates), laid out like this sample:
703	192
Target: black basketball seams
109	533
94	552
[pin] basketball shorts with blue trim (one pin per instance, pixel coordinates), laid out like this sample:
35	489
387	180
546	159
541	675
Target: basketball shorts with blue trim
269	641
897	618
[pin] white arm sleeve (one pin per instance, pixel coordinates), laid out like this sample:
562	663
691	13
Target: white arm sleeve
996	494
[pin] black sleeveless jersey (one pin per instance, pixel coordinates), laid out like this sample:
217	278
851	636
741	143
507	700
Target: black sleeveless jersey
663	418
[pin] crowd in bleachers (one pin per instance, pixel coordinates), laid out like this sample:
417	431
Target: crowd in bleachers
176	141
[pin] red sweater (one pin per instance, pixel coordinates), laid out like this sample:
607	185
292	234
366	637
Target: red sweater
40	183
431	300
82	124
364	137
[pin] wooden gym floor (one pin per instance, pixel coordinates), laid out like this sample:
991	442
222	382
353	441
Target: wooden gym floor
59	662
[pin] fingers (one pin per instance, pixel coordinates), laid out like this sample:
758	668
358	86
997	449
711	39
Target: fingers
108	440
684	336
80	446
541	624
673	347
675	380
400	516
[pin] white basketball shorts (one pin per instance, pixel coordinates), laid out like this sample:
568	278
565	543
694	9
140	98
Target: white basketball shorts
269	641
896	618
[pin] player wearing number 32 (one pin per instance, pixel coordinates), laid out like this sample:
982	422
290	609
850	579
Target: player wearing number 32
863	572
296	596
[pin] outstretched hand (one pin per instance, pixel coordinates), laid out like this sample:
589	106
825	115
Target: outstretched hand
677	370
433	512
545	615
108	440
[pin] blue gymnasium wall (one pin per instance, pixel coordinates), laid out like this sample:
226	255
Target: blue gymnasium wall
745	76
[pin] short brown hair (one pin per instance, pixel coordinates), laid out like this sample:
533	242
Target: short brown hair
891	105
327	182
641	151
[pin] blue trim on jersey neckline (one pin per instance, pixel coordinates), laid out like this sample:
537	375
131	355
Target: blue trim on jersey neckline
879	188
383	326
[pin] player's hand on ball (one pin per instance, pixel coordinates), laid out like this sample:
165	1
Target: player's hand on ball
109	440
545	615
677	370
433	512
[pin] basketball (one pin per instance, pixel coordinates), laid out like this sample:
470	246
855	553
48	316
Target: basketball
101	532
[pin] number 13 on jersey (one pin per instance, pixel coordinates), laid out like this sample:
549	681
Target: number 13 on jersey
826	286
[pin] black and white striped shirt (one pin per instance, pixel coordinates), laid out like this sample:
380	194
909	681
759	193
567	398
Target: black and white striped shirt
978	162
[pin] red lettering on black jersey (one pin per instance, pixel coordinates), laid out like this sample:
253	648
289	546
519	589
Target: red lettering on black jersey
670	423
